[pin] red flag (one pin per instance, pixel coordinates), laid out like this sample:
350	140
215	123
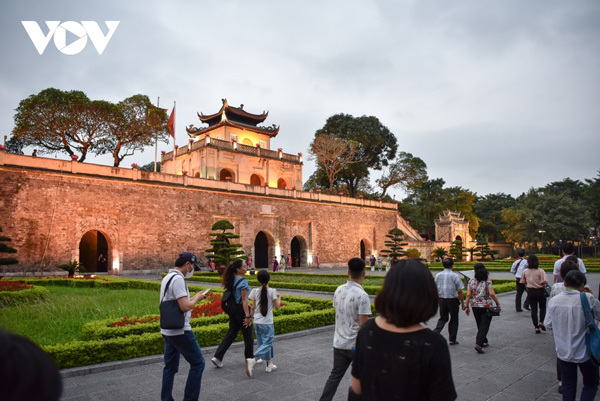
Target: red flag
171	123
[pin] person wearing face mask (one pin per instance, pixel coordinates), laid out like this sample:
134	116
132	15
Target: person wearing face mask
181	341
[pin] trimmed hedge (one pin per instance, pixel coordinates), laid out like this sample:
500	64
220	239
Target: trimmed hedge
101	329
80	353
12	298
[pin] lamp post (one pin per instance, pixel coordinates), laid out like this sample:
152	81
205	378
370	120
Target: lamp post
542	235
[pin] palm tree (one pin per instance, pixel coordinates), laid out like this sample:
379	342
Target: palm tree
439	253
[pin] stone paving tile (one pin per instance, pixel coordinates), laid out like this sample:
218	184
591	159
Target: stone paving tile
518	365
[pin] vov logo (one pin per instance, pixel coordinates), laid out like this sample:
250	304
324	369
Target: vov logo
59	31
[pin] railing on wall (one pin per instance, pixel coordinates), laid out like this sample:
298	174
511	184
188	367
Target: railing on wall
134	174
232	147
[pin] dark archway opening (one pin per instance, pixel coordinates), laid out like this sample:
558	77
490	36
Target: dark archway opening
362	250
295	252
261	251
93	252
281	184
225	174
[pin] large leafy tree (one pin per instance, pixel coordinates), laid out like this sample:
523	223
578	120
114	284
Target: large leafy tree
546	215
376	146
406	172
592	195
133	124
59	121
15	146
488	209
423	205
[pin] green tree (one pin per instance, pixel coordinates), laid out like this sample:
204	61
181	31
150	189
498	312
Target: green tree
4	248
150	167
439	253
592	196
133	124
58	121
462	200
394	244
488	209
457	250
471	250
423	205
406	172
376	146
223	250
15	146
413	253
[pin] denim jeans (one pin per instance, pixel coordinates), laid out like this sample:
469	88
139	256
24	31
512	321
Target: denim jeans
186	345
342	358
569	380
483	322
236	321
265	333
448	308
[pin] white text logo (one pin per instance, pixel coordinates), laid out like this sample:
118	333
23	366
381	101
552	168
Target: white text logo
59	31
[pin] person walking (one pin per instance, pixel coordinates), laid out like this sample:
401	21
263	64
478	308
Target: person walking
380	262
276	265
450	292
265	300
534	279
282	263
397	357
567	250
181	341
567	321
480	294
241	319
352	309
372	261
517	269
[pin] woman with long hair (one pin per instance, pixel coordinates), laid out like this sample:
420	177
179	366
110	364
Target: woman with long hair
480	294
397	356
534	279
265	300
241	319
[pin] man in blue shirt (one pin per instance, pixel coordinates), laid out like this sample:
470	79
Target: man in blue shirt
450	291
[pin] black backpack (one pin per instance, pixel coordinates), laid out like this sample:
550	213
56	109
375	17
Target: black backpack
228	303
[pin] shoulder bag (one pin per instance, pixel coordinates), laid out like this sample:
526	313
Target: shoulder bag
171	316
592	334
492	310
228	303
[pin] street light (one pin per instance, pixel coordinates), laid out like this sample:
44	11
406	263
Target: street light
542	232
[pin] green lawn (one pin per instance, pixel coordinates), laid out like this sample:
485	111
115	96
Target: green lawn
59	319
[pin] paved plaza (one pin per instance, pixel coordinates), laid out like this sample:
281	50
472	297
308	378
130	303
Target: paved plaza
518	365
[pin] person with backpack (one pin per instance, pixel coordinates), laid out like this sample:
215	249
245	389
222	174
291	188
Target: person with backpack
265	300
238	311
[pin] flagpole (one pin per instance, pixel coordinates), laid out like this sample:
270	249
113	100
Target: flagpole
174	150
156	139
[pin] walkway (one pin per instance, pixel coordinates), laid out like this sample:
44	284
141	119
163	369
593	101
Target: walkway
518	365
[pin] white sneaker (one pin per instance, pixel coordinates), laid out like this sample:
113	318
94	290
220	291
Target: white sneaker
259	361
216	362
270	367
250	362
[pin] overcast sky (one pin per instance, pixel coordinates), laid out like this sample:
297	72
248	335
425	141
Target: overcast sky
494	96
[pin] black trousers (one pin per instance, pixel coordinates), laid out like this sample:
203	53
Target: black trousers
537	299
520	291
342	358
235	325
448	308
483	325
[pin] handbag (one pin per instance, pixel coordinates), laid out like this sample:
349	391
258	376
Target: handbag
592	334
493	311
171	316
547	289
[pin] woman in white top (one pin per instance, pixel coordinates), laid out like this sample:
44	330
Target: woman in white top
265	299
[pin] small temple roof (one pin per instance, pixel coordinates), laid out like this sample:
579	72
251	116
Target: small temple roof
234	117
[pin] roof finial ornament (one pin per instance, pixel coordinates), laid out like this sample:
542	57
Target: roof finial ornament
242	106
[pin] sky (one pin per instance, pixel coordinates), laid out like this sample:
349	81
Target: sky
495	97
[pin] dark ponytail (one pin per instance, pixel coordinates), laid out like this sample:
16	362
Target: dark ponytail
263	278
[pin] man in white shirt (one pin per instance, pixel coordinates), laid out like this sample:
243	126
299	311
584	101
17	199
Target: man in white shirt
183	340
568	250
517	269
352	309
450	291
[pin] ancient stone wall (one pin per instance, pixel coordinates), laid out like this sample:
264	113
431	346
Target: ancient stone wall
47	206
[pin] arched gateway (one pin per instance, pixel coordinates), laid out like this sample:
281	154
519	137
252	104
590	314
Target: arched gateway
93	252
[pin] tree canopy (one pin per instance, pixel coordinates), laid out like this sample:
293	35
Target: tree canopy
406	172
68	121
375	146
